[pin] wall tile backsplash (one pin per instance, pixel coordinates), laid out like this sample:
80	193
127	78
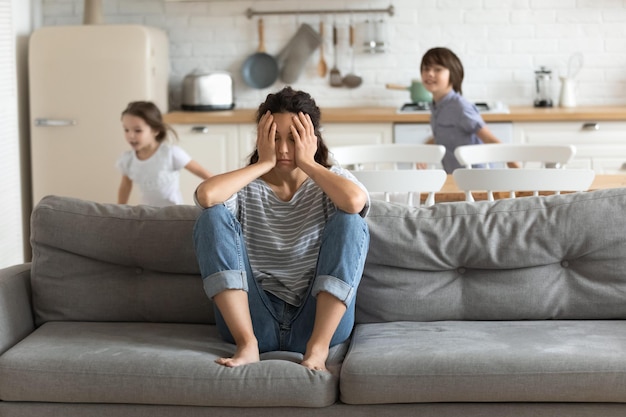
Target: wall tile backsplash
501	43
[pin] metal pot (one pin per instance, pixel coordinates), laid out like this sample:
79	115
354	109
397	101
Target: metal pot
419	93
208	91
260	70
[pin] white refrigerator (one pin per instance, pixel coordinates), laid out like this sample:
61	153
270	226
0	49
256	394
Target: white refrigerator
81	79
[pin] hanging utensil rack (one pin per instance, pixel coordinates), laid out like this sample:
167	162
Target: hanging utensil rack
250	13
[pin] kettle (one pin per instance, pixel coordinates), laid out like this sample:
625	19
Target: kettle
567	98
419	93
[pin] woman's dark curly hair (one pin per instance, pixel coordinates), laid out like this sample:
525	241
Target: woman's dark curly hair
289	100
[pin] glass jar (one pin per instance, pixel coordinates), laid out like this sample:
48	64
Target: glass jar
543	87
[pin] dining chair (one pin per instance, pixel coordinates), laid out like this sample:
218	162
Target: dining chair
391	170
527	155
541	168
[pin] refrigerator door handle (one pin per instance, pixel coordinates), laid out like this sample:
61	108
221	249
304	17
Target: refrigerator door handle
55	122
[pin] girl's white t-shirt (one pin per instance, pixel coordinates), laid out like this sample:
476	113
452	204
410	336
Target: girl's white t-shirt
158	176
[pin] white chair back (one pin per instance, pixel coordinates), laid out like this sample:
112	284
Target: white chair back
392	170
539	169
512	180
544	156
388	156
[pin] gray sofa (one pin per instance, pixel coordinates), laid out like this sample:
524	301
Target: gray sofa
513	308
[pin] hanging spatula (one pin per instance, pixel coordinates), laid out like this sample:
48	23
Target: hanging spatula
335	74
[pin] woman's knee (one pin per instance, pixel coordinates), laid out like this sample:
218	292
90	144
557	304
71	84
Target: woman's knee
346	227
347	223
210	215
209	218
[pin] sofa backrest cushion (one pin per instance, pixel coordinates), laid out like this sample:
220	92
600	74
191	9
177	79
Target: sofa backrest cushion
548	257
110	262
556	257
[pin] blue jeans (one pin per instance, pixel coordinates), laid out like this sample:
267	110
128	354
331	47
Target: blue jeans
224	264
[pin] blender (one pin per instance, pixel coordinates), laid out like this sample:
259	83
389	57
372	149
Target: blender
543	79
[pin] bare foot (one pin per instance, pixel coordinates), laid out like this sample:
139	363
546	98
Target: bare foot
243	356
315	359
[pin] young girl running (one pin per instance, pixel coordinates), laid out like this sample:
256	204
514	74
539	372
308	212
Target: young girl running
152	164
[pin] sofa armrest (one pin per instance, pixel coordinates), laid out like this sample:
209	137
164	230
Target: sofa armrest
16	313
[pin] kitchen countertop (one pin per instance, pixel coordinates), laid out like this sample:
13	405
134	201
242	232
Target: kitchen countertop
390	115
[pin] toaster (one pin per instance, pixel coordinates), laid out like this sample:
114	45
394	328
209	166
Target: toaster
208	91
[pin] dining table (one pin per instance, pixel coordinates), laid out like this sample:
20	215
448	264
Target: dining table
450	191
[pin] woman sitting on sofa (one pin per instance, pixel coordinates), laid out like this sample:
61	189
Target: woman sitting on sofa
282	242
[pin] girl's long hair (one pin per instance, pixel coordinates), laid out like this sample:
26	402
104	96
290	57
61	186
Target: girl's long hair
150	113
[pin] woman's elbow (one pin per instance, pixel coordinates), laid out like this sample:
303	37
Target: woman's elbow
204	196
355	203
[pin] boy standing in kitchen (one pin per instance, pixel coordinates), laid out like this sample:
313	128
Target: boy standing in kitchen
454	120
152	164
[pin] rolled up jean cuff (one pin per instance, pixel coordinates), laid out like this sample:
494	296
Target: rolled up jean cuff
224	280
335	287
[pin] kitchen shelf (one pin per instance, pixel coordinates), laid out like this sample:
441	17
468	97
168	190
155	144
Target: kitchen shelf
250	13
373	114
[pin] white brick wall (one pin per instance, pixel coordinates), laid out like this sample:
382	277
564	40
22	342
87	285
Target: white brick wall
501	43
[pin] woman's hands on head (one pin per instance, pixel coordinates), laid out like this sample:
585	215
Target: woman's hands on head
305	140
266	139
295	128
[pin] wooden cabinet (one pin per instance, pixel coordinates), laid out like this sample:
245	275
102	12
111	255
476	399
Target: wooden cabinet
341	134
247	142
600	146
215	147
334	134
225	147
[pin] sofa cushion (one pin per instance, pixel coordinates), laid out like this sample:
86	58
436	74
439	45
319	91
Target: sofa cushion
553	257
488	361
155	363
110	262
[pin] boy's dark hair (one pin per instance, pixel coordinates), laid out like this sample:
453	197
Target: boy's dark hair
448	59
